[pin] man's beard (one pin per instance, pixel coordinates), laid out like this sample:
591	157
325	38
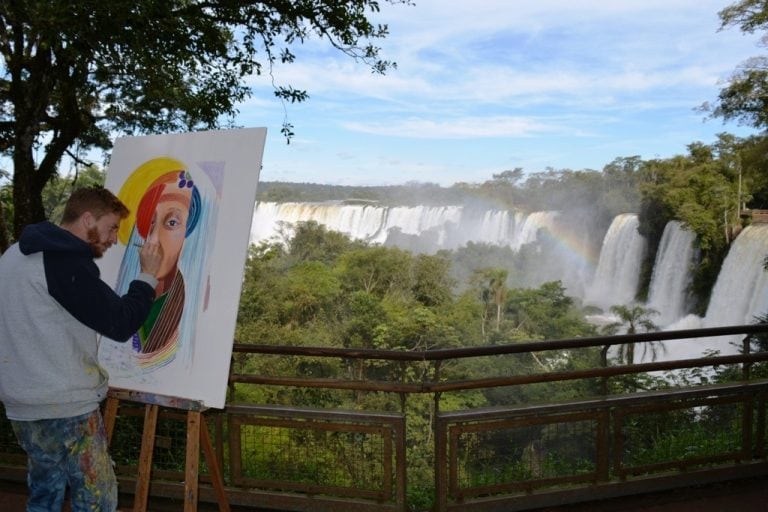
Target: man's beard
94	242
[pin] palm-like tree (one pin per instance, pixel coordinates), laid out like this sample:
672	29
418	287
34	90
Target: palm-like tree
494	290
632	320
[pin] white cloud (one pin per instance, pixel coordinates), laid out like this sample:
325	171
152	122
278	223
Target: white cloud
468	127
625	75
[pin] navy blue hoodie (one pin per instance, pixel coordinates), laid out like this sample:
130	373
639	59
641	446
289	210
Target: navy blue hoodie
53	306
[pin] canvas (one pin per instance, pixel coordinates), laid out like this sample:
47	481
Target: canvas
193	193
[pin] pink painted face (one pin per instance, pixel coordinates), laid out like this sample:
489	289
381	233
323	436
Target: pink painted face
103	234
169	225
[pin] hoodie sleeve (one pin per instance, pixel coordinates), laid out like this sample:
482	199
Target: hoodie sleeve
76	284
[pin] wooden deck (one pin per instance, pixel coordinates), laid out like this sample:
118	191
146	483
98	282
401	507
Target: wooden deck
741	496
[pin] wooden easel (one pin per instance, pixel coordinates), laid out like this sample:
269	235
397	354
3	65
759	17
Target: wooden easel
197	435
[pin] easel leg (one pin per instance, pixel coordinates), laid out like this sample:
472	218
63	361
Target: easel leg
192	472
145	458
110	416
213	467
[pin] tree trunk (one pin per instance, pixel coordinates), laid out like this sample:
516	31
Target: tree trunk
5	239
27	195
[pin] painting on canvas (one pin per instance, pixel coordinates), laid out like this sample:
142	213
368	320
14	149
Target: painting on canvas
193	193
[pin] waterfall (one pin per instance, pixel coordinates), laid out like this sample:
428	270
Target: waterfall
529	228
671	274
415	220
446	227
428	229
360	222
740	294
618	269
741	291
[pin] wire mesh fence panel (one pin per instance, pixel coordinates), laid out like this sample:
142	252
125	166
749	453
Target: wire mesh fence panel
331	457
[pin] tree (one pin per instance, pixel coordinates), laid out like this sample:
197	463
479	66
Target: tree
75	74
492	286
432	282
632	320
315	242
58	190
745	97
379	271
546	313
6	209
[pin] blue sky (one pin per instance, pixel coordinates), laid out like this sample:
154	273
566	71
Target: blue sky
491	85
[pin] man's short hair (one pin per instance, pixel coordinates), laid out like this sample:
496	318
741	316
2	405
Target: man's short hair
97	200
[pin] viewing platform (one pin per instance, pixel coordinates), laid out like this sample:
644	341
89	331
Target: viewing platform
696	446
757	216
743	496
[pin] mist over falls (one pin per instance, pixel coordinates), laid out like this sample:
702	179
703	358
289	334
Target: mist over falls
598	268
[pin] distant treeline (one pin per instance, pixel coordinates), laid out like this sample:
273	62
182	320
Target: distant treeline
410	194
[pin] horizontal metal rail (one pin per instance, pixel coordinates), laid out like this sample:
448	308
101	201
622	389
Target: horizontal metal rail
496	350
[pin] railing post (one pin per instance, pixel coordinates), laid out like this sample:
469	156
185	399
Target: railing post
749	405
604	364
441	470
746	367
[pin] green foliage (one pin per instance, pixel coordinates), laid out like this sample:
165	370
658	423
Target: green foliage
321	289
432	282
469	261
700	190
314	242
745	96
682	434
547	313
380	271
409	194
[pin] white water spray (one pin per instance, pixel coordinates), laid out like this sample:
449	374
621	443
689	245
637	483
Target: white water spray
618	269
671	274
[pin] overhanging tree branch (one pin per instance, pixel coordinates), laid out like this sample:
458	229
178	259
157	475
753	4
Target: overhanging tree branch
68	77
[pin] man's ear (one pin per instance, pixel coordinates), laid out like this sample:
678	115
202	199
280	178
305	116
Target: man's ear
88	220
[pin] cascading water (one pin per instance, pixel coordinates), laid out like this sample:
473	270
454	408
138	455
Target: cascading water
741	291
529	228
671	274
429	229
739	295
618	269
452	226
357	221
415	220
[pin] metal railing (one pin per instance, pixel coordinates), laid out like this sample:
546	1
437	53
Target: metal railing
506	457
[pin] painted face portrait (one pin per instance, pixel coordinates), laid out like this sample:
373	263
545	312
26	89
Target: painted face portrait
163	217
165	207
